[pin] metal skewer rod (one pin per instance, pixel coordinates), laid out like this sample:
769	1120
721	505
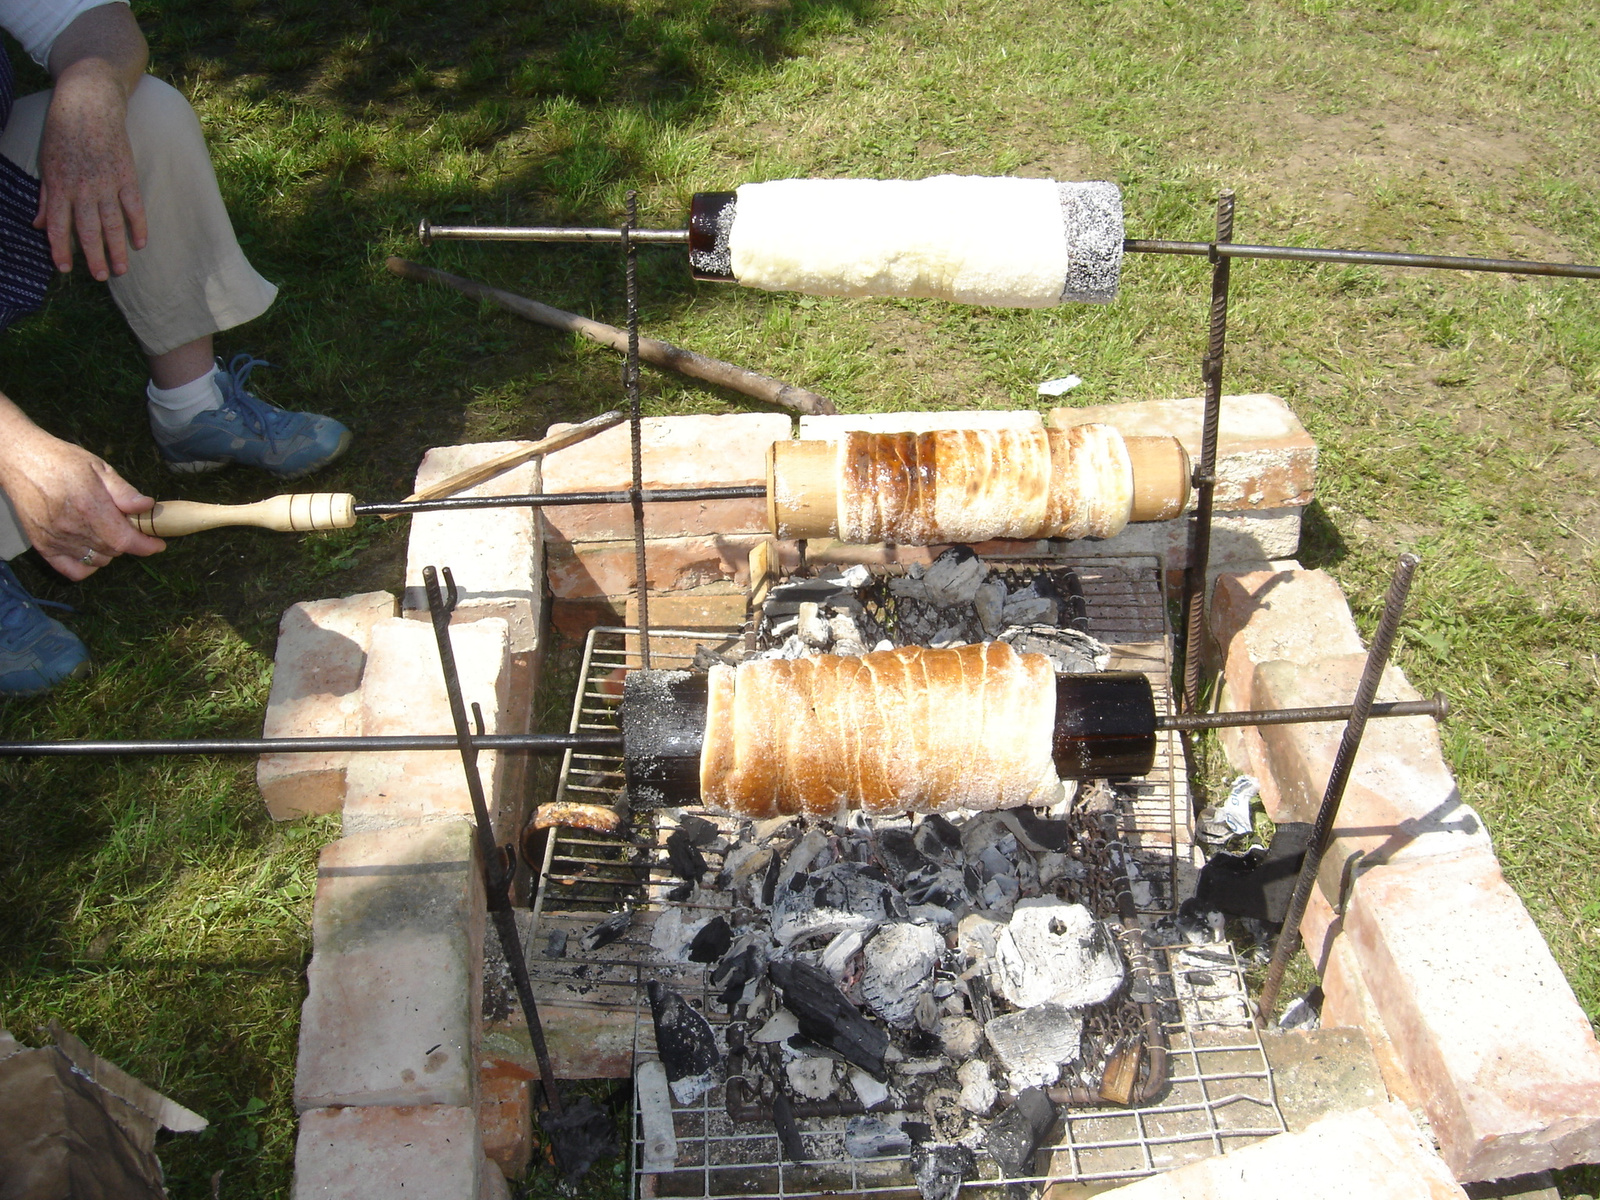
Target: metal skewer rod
754	491
1371	258
557	743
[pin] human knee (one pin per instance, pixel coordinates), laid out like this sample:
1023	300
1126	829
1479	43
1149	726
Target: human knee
161	119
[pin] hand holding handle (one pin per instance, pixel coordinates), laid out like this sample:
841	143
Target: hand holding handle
299	513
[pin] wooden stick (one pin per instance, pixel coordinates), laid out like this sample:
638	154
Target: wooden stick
656	353
485	471
301	512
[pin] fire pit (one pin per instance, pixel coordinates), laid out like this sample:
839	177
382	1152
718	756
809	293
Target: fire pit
1165	1031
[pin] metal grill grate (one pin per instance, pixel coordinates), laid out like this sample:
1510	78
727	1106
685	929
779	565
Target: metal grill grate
1220	1093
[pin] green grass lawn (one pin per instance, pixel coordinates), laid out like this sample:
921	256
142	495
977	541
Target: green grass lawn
152	907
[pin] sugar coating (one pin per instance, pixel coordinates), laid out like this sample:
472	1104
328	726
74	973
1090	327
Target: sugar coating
971	239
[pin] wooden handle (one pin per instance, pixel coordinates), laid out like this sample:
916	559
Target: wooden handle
299	513
486	471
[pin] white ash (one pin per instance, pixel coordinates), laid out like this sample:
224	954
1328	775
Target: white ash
836	956
868	1090
873	1137
1034	1044
812	628
978	1092
822	904
1055	951
961	1037
812	1078
674	931
780	1027
899	966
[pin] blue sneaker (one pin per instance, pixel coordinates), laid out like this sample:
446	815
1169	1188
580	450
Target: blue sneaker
36	652
246	429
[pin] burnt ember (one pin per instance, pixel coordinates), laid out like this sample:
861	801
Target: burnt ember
940	1170
607	931
685	857
828	1018
1019	1131
712	942
684	1042
788	1128
1257	883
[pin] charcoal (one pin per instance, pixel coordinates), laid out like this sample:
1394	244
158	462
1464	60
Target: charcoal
873	1137
788	1128
829	1019
684	1041
1257	884
937	838
1016	1133
954	576
1052	950
680	893
769	885
555	945
989	602
712	942
941	1170
899	963
1070	651
607	931
977	1089
685	857
735	971
898	850
919	1132
837	898
1040	833
698	830
943	887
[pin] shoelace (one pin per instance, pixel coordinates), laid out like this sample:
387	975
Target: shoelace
263	419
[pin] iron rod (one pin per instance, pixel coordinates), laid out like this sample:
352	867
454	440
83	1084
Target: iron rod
533	743
1322	832
1370	258
753	491
1437	707
1205	472
630	383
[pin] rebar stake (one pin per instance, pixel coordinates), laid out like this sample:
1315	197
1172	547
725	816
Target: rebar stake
630	381
1205	472
1377	658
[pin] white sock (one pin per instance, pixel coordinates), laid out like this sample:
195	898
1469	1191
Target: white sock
173	408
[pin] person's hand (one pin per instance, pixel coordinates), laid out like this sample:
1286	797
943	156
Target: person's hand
89	182
73	507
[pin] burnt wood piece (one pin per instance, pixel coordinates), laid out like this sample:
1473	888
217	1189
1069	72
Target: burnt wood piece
1016	1133
829	1019
684	1040
684	857
1258	883
733	973
607	931
698	830
940	1170
788	1128
712	942
663	725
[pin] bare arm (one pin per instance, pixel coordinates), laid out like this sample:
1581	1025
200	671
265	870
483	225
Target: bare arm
69	501
85	162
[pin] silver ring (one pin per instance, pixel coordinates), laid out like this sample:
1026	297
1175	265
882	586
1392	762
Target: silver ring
88	559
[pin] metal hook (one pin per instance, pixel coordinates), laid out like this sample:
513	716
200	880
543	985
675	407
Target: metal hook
477	717
451	595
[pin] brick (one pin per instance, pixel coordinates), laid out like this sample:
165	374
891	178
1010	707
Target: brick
1502	1056
830	428
1347	1001
675	452
715	607
588	570
495	554
505	1115
395	980
316	692
585	1041
1265	457
1401	801
1236	538
381	1153
403	692
493	1185
1376	1153
1320	1071
1281	612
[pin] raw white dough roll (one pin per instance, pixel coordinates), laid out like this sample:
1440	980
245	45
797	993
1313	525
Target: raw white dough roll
894	731
1003	242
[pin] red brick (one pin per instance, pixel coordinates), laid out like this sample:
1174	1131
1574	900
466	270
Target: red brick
395	981
505	1115
587	570
1374	1153
495	554
316	692
1485	1024
403	692
1401	801
1265	458
585	1041
676	452
382	1153
1283	612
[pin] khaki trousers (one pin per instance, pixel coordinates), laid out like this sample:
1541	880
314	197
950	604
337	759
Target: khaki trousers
191	279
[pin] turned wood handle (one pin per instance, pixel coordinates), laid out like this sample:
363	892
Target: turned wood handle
299	513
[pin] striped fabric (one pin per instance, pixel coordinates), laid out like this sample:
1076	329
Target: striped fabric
25	266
